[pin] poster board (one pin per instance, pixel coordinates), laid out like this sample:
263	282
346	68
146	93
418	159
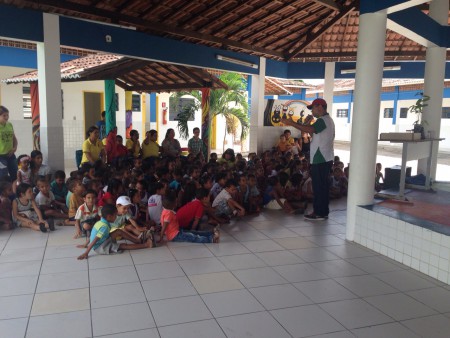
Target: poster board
276	110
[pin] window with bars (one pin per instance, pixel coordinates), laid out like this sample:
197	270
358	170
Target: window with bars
342	113
446	112
136	102
403	113
388	113
26	101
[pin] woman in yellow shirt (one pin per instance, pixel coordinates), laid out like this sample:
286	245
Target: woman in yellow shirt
133	146
92	147
150	146
8	145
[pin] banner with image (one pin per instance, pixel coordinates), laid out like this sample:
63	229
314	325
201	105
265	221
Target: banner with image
285	109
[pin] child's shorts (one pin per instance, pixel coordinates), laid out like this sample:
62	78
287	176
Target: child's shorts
108	247
30	214
223	209
273	204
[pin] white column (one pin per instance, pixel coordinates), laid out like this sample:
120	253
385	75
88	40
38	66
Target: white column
257	108
363	149
50	102
434	83
328	88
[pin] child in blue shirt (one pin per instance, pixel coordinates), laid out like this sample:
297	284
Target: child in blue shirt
103	242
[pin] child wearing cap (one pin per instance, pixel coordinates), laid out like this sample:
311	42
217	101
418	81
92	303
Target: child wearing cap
24	172
126	226
103	241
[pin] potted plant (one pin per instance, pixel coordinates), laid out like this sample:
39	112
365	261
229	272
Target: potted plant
417	109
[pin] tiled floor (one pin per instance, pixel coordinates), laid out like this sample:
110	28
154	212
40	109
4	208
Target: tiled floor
271	276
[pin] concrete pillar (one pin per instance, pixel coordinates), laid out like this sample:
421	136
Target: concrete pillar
50	96
329	85
257	108
363	149
434	83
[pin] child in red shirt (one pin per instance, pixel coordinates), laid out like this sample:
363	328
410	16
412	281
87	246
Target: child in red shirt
171	228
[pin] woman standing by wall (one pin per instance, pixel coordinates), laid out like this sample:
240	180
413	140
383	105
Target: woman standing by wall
8	145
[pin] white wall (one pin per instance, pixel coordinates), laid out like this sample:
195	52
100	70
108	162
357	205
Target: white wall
341	124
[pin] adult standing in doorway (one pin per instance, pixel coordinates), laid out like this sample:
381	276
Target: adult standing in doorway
321	156
8	146
101	125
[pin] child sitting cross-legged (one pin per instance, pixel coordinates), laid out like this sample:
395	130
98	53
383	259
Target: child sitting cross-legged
171	228
26	213
126	226
103	241
87	215
50	207
59	187
224	203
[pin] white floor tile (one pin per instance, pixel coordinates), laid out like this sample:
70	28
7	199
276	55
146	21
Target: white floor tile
63	281
14	328
279	296
110	261
118	294
338	268
306	321
385	330
60	301
262	246
159	270
50	266
315	254
434	326
70	324
400	306
202	265
259	277
19	269
168	288
108	276
229	303
365	286
355	313
244	261
200	329
275	258
17	286
179	310
437	298
190	252
15	306
155	255
259	324
215	282
224	249
327	290
121	318
146	333
404	280
374	264
300	272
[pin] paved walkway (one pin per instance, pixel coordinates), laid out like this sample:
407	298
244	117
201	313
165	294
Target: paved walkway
271	276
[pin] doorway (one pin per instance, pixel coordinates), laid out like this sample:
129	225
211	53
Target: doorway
93	107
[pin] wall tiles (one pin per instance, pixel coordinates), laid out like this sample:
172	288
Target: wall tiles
420	248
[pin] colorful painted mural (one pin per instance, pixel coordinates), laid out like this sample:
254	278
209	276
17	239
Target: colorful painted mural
285	109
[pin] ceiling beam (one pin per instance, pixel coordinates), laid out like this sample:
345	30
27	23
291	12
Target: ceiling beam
314	36
108	16
415	53
173	87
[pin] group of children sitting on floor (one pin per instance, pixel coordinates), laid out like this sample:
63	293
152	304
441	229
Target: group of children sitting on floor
181	199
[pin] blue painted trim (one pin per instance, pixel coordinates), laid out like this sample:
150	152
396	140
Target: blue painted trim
249	91
416	21
153	107
90	35
372	6
21	24
303	94
394	115
350	106
24	58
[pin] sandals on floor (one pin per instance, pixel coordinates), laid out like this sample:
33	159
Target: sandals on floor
42	227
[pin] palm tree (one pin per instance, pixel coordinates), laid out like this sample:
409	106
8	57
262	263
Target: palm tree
230	103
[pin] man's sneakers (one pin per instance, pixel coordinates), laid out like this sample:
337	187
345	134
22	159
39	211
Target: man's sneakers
314	217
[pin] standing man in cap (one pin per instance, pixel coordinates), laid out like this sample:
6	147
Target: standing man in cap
322	154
